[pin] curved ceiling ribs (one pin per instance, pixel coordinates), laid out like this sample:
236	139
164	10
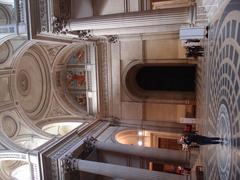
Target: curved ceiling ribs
33	98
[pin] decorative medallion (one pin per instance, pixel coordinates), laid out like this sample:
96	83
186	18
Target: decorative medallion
23	83
9	126
4	52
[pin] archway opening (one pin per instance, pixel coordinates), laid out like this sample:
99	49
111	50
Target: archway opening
166	78
158	82
15	169
148	138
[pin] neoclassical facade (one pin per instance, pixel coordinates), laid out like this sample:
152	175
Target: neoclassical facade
103	89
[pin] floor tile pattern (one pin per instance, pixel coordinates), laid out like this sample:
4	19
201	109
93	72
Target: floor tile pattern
223	96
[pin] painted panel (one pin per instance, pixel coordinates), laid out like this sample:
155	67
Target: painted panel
76	76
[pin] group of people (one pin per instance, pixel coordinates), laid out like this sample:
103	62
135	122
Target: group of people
194	48
191	137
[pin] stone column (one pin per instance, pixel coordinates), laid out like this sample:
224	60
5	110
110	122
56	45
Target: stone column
121	172
164	155
130	20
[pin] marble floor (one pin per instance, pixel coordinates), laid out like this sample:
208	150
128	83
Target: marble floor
220	107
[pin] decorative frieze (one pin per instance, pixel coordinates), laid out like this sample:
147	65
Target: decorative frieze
13	156
43	15
103	78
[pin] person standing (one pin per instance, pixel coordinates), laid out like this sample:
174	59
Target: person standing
193	137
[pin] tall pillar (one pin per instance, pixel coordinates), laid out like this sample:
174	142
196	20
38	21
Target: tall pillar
121	172
134	22
163	155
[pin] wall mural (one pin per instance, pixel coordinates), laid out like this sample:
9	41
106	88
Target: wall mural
76	76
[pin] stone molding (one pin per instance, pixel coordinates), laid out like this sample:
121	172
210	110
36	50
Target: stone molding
103	78
11	155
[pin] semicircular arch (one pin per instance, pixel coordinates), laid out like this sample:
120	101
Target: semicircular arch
69	78
134	91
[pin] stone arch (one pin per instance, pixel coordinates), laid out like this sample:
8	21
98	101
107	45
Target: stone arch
61	128
148	138
54	120
29	141
61	69
6	50
9	166
5	15
136	93
19	136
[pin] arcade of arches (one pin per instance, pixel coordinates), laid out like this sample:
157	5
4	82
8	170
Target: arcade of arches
104	89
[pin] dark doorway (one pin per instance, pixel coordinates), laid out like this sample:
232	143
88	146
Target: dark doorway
167	78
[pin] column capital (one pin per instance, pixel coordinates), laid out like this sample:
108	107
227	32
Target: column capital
89	146
59	26
68	163
113	39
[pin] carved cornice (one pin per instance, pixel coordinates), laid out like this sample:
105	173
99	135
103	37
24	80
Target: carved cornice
11	155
